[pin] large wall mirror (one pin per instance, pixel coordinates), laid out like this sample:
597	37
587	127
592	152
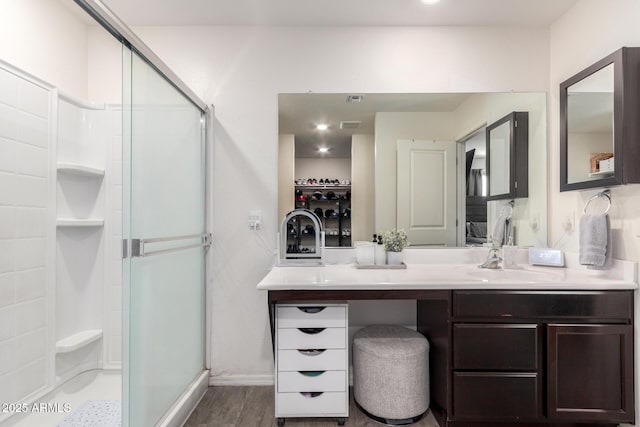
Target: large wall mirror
412	161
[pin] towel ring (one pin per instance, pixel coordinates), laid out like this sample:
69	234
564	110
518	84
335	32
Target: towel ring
606	194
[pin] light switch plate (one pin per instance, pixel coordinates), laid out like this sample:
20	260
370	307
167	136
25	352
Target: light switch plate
546	257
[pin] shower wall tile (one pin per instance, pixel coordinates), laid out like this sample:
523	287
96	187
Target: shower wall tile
7	323
29	253
31	160
30	191
7	222
30	222
30	284
6	256
7	357
7	155
8	88
32	378
24	215
30	316
33	130
7	289
31	347
8	122
33	99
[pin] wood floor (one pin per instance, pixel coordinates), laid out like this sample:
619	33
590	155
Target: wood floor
253	406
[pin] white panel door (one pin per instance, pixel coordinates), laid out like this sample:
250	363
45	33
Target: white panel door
426	205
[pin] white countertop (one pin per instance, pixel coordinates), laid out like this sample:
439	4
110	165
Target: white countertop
445	276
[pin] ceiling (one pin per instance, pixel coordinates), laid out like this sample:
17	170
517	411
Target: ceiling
339	12
298	114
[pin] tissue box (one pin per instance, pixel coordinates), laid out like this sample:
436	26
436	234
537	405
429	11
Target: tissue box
606	165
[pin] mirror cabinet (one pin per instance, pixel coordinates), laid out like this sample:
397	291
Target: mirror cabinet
508	157
599	126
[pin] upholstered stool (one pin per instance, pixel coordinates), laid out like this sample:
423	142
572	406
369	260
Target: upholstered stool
391	373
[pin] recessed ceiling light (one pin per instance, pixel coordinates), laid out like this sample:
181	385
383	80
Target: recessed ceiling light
322	126
430	1
323	149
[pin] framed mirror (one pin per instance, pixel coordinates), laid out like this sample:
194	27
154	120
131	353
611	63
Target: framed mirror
598	129
507	157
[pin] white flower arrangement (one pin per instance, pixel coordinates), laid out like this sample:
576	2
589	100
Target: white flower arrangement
395	240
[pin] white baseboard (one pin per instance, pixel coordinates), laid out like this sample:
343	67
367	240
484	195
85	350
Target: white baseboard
184	406
238	380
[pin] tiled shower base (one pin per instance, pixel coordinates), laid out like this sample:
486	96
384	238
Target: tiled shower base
93	397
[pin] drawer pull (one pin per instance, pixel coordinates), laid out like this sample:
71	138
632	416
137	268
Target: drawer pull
311	310
311	394
311	331
312	352
311	373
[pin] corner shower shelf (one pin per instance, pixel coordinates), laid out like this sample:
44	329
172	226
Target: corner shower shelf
79	169
77	341
70	222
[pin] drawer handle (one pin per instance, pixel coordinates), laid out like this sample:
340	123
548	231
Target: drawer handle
311	394
311	310
311	373
312	352
311	331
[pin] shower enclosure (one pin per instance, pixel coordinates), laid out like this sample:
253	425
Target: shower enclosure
103	239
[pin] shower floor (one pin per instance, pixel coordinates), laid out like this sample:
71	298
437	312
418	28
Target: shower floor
89	389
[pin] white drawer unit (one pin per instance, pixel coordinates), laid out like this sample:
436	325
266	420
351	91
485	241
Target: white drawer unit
311	361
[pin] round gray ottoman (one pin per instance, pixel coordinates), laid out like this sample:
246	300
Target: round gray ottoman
391	373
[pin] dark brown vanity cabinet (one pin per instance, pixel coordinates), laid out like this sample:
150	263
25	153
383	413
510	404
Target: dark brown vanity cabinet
541	357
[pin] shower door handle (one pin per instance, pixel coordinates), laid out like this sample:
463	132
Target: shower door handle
137	248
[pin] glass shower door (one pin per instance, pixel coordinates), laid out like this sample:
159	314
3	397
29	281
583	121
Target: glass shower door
163	219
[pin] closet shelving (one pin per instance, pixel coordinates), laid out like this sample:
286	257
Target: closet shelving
338	228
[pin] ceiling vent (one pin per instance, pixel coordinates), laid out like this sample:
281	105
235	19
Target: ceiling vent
355	98
350	124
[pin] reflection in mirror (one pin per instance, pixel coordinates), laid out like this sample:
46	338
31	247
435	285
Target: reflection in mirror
590	127
377	126
499	154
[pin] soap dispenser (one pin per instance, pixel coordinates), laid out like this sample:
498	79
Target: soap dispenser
380	253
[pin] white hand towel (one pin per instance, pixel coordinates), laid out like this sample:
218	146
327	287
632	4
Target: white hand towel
595	240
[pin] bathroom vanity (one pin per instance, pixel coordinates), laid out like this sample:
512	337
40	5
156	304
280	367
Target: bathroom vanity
535	346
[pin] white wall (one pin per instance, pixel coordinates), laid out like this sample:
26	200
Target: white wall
47	40
241	70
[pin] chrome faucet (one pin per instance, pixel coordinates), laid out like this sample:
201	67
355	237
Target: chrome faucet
493	259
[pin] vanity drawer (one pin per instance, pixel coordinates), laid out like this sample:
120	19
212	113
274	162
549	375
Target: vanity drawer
312	381
311	404
309	360
496	396
496	346
306	316
305	338
507	305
